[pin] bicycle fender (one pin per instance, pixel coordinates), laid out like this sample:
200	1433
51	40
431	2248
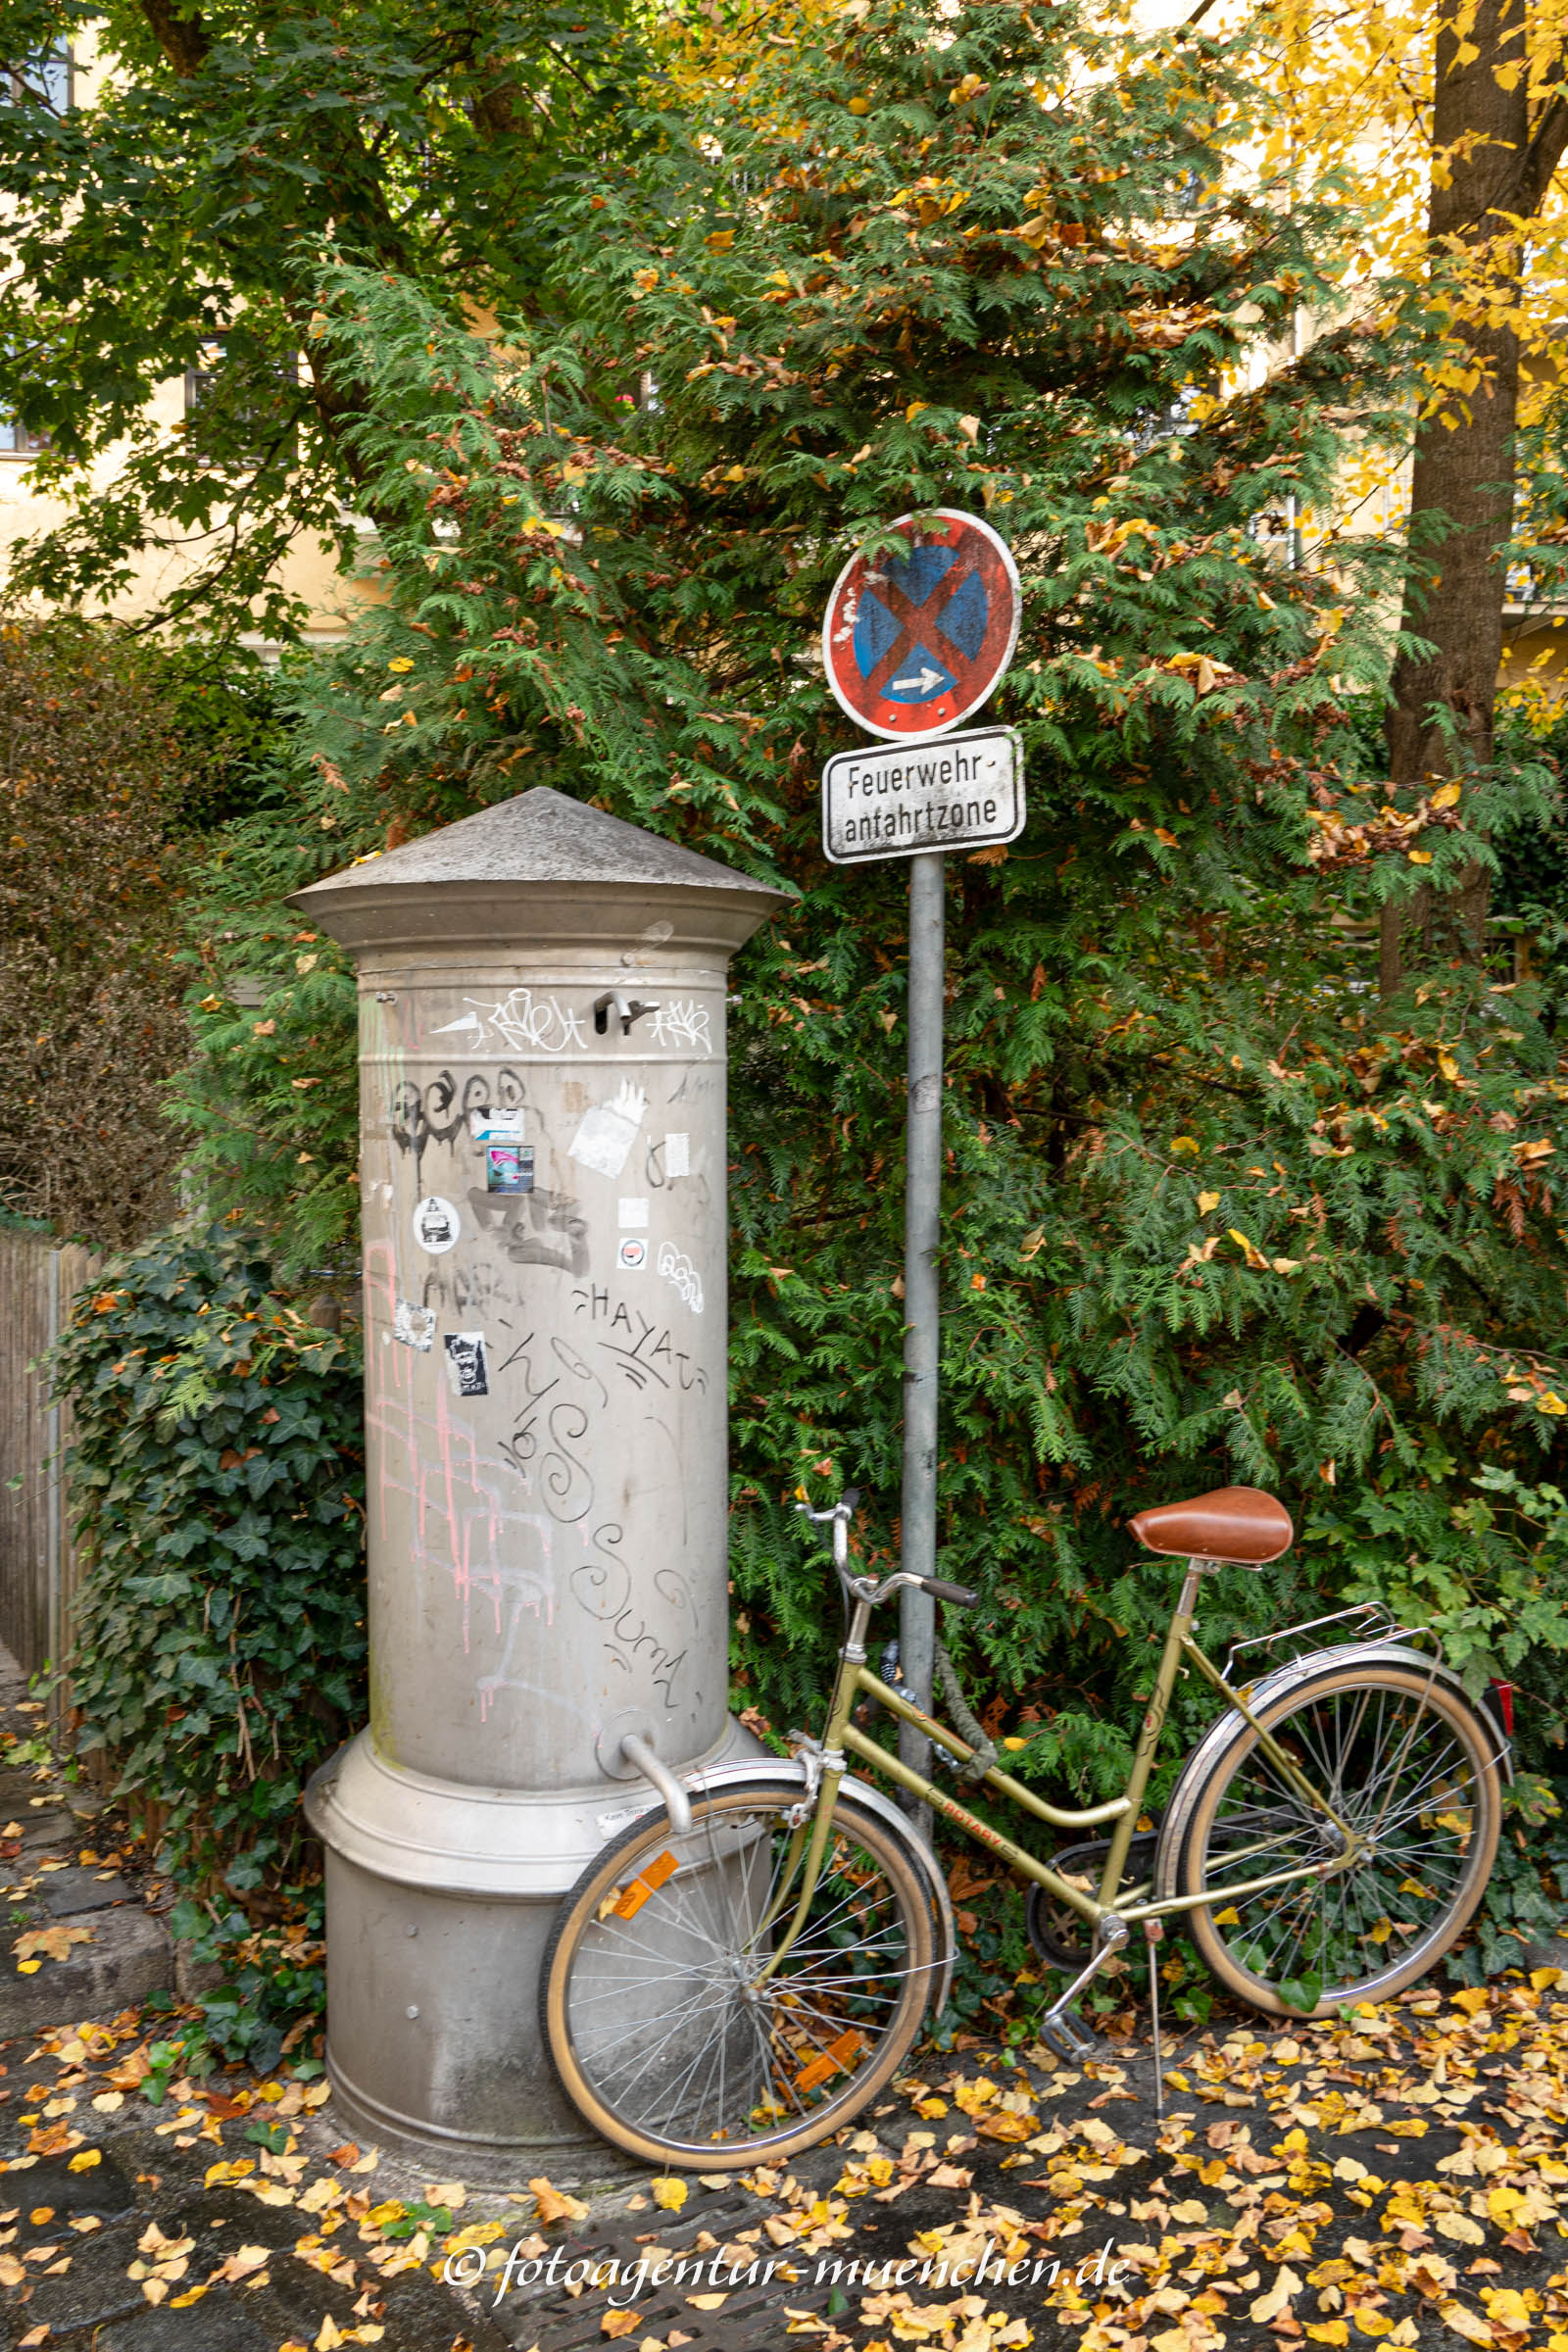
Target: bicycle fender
1260	1694
870	1799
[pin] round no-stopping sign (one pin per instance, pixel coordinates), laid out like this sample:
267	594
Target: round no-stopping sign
914	643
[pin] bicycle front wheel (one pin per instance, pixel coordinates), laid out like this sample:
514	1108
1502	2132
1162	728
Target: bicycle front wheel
1413	1770
682	2029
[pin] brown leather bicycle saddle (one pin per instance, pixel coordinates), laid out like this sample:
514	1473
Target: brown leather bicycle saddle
1241	1524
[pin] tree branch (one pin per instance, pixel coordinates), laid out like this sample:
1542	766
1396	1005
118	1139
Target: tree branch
1542	156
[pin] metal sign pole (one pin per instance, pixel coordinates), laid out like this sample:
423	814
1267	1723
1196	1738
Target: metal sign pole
912	645
922	1212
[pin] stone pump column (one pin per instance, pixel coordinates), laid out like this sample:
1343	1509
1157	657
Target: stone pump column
542	1183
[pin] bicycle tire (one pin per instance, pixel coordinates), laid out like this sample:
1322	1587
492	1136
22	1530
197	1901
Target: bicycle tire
716	2088
1399	1755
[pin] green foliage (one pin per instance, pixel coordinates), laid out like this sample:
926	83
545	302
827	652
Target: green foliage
217	1478
1212	1211
165	224
270	1099
90	1020
1527	1894
272	1988
1488	1573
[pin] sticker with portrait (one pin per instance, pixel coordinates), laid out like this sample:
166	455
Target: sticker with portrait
466	1369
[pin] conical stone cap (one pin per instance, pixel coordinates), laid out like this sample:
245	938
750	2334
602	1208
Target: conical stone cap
542	870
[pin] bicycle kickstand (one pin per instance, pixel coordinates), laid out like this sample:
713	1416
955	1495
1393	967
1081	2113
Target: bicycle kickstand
1153	1931
1058	2029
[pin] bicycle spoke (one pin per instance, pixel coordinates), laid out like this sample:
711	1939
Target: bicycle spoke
694	2025
1389	1758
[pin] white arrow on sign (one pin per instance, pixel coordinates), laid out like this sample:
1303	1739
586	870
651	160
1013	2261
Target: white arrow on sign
922	684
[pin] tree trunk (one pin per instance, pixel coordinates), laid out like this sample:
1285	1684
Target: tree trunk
1461	496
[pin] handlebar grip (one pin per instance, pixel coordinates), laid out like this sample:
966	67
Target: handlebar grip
938	1589
850	1497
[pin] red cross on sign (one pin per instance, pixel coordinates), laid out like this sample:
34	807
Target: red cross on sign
913	643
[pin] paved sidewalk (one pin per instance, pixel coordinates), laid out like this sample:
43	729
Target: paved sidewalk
1403	2179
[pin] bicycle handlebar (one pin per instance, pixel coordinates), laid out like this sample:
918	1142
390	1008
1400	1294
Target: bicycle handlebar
959	1596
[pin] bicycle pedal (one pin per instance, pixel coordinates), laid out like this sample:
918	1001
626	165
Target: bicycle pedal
1069	2038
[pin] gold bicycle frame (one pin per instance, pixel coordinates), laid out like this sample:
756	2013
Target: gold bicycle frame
843	1738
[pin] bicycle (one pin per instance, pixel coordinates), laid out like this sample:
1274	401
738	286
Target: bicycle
742	1970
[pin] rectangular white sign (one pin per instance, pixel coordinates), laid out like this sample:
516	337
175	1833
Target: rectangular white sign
893	799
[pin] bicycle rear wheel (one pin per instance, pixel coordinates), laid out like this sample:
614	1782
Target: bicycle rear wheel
668	2034
1413	1770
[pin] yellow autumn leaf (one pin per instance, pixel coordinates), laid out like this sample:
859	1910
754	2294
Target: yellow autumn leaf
1471	1999
1230	1917
552	2204
55	1942
1183	1142
721	241
85	2160
913	410
1206	1201
1468	2324
1249	1250
669	2194
1419	856
860	106
1269	2306
400	662
1548	1402
1329	2332
1447	1064
1446	796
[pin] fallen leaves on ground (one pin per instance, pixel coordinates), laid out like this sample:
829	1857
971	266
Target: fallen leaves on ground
47	1943
1398	2177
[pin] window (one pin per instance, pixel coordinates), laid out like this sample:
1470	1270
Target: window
50	77
249	415
15	440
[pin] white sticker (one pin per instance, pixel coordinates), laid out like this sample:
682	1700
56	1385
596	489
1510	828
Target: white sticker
466	1363
676	1267
496	1126
631	1214
677	1156
631	1256
415	1326
608	1130
436	1224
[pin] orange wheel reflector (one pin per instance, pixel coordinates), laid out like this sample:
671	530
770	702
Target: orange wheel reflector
830	2061
648	1882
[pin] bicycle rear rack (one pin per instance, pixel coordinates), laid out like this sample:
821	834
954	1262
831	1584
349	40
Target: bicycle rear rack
1373	1621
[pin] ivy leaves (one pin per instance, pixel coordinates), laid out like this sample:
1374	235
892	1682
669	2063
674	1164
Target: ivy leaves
218	1478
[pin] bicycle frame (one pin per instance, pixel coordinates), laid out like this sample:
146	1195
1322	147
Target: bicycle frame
844	1738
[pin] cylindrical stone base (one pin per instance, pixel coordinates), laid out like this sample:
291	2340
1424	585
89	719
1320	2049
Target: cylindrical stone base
442	1900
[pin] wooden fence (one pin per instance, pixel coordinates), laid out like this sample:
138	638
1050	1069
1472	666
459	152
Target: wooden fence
38	1564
